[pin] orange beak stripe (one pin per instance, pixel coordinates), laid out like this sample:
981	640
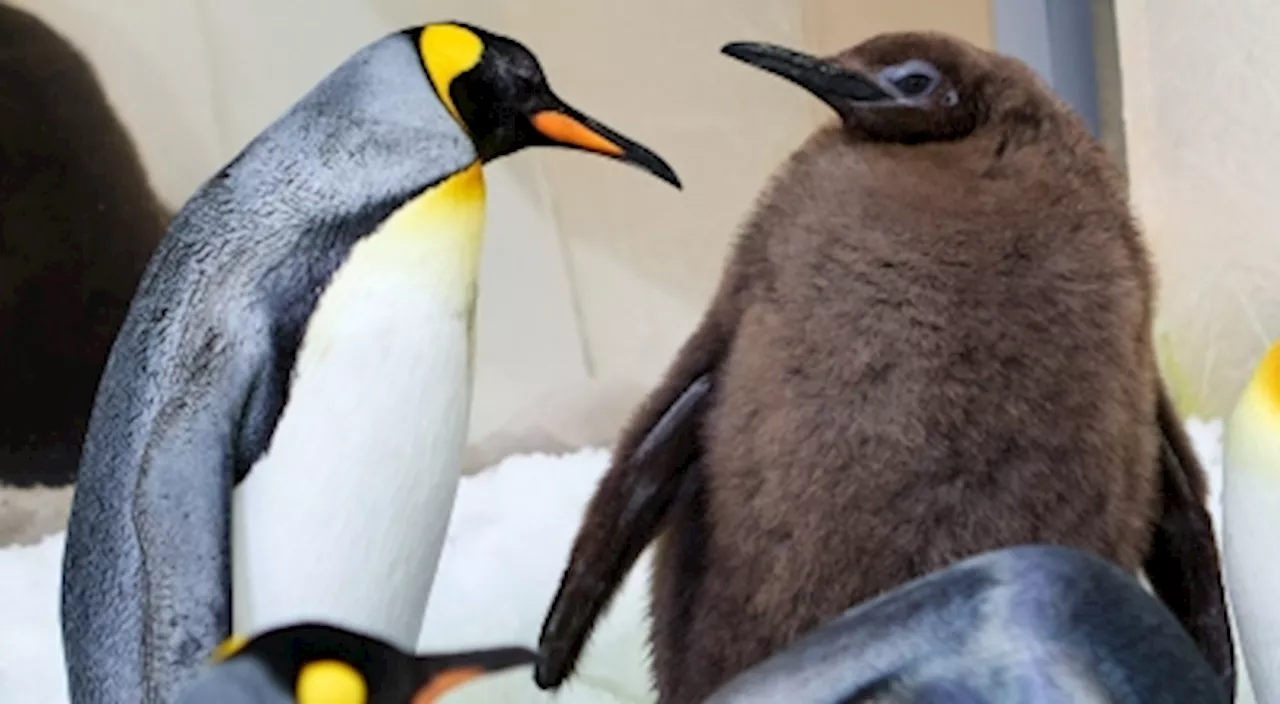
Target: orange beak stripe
444	682
566	130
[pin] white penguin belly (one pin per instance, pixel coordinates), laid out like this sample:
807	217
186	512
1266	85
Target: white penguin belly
1251	525
1251	534
343	518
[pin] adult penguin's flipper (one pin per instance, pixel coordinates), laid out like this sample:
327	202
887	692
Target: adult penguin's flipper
1183	565
147	570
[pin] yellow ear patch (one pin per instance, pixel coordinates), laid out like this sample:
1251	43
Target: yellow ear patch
330	682
449	51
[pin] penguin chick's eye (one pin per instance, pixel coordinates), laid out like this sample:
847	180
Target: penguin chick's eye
914	84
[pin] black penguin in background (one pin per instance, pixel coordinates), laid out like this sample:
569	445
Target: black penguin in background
78	221
1032	623
932	340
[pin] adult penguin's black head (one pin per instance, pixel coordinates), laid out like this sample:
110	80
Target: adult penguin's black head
495	89
314	663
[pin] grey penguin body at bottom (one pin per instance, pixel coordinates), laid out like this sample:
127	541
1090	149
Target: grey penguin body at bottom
1026	624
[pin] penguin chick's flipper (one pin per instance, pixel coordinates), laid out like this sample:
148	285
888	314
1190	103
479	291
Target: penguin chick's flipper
147	571
660	442
623	518
1183	565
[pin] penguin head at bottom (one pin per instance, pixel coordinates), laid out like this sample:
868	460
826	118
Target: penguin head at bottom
314	663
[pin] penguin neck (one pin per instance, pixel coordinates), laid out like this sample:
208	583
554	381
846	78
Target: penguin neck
423	260
439	235
364	142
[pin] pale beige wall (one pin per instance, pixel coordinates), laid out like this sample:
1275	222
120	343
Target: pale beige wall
642	281
1203	140
593	273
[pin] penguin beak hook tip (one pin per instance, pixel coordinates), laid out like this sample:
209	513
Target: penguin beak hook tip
831	83
567	127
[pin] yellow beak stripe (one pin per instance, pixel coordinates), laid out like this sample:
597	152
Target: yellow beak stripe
449	51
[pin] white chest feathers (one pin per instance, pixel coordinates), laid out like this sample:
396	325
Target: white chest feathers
344	517
1251	525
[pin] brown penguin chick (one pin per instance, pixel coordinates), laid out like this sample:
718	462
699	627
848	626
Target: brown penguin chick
932	340
78	221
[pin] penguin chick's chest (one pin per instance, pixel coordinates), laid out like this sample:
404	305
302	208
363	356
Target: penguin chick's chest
906	414
366	451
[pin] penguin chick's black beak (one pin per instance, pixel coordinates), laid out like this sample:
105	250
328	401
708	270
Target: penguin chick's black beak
562	125
447	672
838	87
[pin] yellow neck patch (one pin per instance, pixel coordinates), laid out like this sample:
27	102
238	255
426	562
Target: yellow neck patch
430	246
1252	440
331	682
449	51
445	227
1267	378
228	648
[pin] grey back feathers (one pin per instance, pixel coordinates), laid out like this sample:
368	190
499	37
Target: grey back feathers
205	353
1025	624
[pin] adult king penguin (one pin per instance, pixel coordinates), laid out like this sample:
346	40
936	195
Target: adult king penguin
932	339
302	335
1251	524
1031	623
317	663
